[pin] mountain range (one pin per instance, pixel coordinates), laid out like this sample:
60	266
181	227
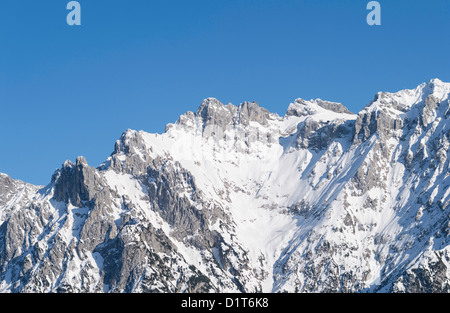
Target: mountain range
239	199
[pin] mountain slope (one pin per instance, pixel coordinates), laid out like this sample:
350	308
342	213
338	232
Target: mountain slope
235	198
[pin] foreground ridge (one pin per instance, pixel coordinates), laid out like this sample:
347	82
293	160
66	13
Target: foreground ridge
239	199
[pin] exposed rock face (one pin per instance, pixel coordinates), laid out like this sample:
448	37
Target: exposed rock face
7	189
303	107
76	183
428	276
378	118
235	198
213	112
317	136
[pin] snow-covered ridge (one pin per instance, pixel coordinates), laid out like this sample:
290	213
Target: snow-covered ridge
404	100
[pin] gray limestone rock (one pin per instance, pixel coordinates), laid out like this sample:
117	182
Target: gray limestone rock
380	121
76	183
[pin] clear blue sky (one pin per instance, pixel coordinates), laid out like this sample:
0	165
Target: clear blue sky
68	91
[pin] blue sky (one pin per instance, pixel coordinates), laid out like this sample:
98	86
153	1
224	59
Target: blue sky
68	91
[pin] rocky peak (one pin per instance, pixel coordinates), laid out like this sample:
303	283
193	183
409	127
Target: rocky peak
130	142
214	118
213	112
302	107
14	191
210	105
438	88
389	112
7	188
251	112
333	106
76	182
407	99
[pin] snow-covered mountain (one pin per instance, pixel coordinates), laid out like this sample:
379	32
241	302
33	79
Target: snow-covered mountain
238	199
